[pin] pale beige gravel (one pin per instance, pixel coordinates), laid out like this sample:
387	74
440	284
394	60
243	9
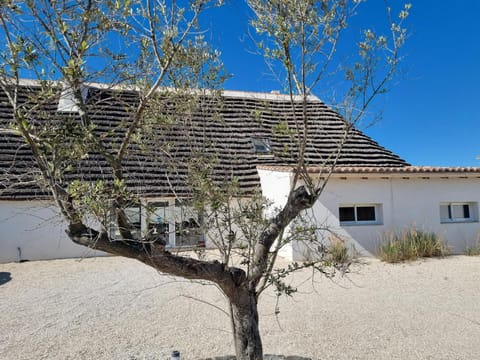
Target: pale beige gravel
114	308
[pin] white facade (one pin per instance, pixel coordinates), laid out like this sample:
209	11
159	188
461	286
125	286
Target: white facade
33	230
446	204
401	201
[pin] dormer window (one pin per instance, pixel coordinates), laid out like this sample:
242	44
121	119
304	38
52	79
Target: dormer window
67	102
262	146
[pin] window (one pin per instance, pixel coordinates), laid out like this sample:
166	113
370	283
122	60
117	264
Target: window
173	223
158	220
188	229
133	213
458	212
364	214
262	146
347	213
177	225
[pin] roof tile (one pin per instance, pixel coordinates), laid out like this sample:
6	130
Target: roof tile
221	130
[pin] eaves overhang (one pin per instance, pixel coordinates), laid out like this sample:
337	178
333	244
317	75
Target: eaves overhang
384	172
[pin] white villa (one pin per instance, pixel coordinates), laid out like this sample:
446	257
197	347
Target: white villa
371	191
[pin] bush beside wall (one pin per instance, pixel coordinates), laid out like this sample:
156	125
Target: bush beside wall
410	244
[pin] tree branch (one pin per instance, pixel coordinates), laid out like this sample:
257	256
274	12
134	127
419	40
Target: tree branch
226	278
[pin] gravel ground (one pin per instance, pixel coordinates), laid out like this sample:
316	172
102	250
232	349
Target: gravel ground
115	308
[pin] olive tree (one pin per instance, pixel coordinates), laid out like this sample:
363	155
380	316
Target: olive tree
152	50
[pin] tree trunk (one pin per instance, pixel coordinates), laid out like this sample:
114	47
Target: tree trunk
248	344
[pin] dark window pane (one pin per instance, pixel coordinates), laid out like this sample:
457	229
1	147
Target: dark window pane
466	211
261	145
365	213
347	213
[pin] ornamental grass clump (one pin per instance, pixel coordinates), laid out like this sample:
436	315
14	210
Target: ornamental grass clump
410	244
473	250
338	252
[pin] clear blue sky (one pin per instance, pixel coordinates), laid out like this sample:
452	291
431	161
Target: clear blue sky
431	116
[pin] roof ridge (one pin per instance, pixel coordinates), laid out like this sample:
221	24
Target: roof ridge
257	95
266	95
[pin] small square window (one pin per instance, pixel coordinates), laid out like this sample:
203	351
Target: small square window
347	213
368	214
262	146
458	212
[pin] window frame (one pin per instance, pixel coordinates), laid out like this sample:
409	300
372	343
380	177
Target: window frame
377	213
175	211
450	219
262	141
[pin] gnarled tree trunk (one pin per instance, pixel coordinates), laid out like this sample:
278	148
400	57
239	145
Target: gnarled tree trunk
246	333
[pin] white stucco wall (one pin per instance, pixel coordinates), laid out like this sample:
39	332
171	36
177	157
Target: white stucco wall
34	230
37	229
275	187
405	202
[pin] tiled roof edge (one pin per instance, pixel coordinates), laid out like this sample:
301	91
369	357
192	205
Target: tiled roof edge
265	96
379	170
226	93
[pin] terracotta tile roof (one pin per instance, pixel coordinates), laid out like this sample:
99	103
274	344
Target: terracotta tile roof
221	131
380	170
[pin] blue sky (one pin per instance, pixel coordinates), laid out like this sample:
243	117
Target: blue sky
431	116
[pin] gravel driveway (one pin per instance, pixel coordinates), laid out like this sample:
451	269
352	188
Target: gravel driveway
114	308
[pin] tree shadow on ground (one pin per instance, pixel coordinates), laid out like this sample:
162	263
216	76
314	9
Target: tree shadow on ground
5	277
265	357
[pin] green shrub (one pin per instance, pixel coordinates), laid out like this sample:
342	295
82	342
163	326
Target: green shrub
338	252
410	244
474	249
